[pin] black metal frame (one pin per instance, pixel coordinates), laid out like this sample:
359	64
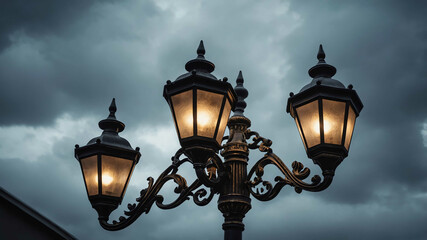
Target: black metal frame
199	77
324	87
108	144
228	177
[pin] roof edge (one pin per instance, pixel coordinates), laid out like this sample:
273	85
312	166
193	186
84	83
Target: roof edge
35	215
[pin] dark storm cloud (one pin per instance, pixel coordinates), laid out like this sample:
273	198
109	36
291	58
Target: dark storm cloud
38	18
25	76
62	55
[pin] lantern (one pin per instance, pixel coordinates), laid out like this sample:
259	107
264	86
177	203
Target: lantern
200	106
107	163
325	113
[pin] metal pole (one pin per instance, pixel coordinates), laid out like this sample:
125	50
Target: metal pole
234	201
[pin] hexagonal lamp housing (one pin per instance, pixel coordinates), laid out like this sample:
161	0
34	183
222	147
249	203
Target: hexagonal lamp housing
107	163
200	106
325	113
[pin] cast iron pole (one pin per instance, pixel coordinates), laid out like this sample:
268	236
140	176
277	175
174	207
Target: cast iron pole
234	201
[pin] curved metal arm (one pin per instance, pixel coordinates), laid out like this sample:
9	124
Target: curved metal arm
149	196
292	178
265	144
216	176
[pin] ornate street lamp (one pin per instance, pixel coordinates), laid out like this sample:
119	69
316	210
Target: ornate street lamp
324	111
107	163
200	105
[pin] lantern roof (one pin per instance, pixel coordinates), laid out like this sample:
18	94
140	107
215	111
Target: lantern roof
322	73
323	85
199	66
111	127
199	76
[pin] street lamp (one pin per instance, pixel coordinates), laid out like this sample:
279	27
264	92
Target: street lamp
200	106
107	163
324	111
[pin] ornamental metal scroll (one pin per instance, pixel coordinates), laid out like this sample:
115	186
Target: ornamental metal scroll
264	190
149	195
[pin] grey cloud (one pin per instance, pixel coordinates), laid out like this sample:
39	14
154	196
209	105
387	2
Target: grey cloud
38	18
51	68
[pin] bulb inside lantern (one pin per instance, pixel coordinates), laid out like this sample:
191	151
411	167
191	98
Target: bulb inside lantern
326	126
107	179
203	118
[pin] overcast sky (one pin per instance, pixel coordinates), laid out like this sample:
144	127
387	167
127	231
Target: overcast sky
61	63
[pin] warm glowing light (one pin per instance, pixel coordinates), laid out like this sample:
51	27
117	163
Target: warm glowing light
189	120
326	126
106	179
203	118
315	126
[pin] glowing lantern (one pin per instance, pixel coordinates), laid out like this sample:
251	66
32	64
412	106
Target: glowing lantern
200	106
107	163
325	113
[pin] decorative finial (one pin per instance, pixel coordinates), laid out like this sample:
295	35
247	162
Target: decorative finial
201	50
111	123
200	63
242	93
321	54
240	78
322	69
112	109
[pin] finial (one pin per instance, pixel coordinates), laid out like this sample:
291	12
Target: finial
201	50
111	123
241	93
322	69
112	109
240	78
200	63
321	54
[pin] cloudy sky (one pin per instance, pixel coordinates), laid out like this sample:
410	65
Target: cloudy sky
61	63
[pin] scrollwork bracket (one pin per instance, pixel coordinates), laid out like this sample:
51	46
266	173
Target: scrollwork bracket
264	190
149	195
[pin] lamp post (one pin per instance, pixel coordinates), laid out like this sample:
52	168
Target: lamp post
324	112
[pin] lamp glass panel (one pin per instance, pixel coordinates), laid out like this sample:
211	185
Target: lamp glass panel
299	130
308	115
90	173
350	127
230	95
183	107
115	172
208	109
333	121
130	175
224	121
